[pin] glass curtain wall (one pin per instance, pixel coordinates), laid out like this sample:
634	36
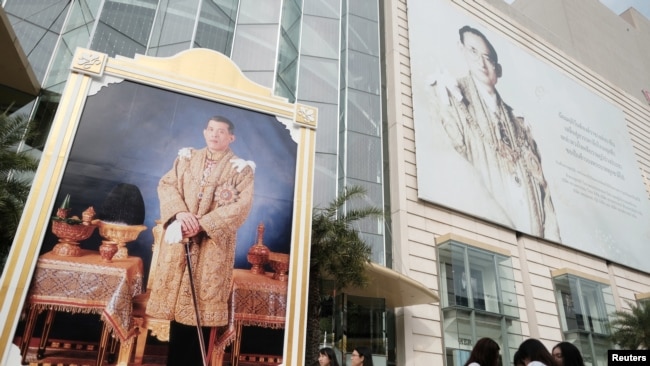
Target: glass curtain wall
318	85
286	78
324	53
38	25
478	300
584	307
50	31
184	24
255	46
360	130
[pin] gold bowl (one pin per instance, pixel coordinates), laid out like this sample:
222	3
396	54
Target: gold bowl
69	237
120	234
280	264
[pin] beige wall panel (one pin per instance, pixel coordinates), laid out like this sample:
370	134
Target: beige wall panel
554	261
415	221
631	275
495	235
534	256
426	345
420	236
594	263
407	101
543	295
521	300
424	250
625	283
440	228
426	221
610	45
425	312
564	258
538	269
409	155
517	276
409	134
423	265
411	192
409	144
625	296
437	214
548	320
549	336
420	359
541	282
427	327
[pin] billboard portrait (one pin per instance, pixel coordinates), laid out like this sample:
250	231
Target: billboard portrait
151	170
504	136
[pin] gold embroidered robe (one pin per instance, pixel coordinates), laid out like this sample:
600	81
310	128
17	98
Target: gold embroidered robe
502	150
222	195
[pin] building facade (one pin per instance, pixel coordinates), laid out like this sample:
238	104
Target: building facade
499	276
365	65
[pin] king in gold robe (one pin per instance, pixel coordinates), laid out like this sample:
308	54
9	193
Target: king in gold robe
218	188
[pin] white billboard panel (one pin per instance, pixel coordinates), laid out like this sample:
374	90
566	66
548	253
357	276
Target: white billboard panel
507	137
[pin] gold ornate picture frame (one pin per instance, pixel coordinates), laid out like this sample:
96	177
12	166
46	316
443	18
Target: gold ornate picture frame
123	120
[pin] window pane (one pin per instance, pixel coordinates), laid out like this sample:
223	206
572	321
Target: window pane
368	168
323	8
584	306
259	11
594	307
483	281
508	299
458	329
37	24
216	25
473	284
320	37
174	26
363	72
454	279
363	35
124	27
254	48
364	112
318	80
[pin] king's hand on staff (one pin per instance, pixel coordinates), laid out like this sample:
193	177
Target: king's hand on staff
190	225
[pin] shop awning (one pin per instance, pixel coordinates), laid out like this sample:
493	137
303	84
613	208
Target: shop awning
398	289
18	83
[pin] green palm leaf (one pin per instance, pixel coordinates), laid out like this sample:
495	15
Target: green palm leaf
631	329
14	186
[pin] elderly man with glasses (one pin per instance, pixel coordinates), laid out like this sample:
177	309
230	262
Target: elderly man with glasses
484	130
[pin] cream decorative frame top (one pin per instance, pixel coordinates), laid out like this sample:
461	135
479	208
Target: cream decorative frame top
199	72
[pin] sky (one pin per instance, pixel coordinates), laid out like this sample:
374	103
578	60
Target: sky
619	6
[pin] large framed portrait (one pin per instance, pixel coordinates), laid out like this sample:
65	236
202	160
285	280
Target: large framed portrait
153	166
510	131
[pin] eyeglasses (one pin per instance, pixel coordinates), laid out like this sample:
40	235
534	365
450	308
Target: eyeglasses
475	55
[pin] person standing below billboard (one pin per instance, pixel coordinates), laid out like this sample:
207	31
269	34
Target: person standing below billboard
483	129
204	198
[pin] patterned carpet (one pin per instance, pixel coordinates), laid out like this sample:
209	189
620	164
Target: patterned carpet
77	353
66	353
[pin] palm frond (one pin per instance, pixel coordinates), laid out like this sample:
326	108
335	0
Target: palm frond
13	164
631	329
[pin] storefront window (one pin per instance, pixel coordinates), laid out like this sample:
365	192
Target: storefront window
584	306
479	299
